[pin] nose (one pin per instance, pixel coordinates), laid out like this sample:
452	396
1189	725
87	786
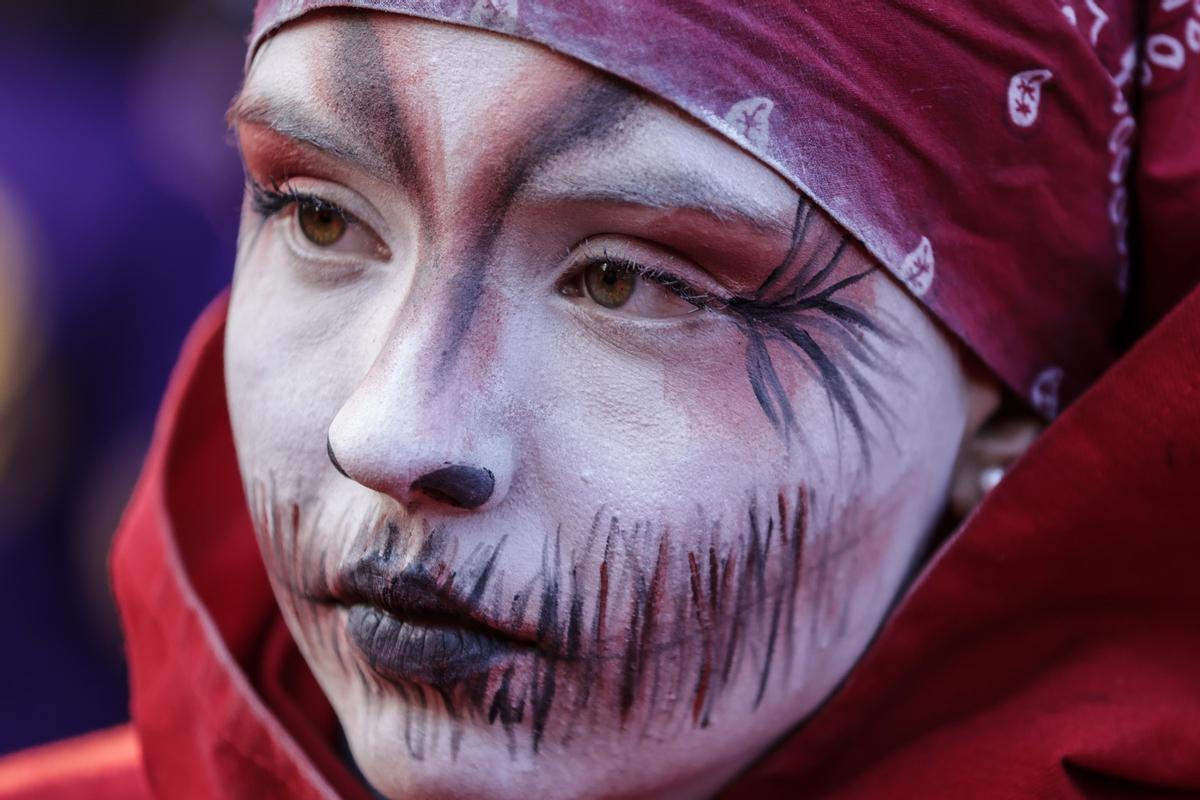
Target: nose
420	448
456	485
410	478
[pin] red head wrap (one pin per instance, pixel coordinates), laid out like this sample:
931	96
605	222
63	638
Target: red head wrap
984	153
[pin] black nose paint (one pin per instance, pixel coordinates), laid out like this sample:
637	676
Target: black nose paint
458	486
333	458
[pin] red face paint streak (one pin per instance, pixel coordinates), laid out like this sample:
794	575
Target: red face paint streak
664	644
602	607
702	619
735	254
499	145
273	158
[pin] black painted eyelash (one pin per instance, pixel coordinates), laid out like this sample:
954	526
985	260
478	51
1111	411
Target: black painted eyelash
684	290
789	314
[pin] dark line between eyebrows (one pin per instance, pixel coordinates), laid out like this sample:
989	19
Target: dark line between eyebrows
358	88
587	116
363	92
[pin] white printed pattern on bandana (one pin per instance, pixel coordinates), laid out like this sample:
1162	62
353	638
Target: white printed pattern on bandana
1025	95
917	268
1044	392
497	15
1120	148
1099	18
1164	53
751	119
1170	51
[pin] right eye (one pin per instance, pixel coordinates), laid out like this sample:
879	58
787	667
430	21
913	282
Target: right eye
319	228
321	223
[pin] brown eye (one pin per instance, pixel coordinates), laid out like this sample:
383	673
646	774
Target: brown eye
322	225
608	284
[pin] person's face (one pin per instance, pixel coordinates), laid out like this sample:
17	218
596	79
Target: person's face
584	454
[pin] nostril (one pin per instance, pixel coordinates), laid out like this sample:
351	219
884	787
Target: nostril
457	485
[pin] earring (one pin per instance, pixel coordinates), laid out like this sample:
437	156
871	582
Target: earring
989	477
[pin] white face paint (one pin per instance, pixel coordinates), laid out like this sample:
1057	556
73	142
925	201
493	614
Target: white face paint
635	447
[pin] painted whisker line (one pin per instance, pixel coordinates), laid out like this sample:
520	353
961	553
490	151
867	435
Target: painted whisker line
628	625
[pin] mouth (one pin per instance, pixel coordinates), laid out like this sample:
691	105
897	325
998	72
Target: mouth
411	627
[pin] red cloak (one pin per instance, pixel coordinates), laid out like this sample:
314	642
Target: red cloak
1051	648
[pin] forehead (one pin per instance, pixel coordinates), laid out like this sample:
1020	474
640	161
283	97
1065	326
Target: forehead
349	59
465	95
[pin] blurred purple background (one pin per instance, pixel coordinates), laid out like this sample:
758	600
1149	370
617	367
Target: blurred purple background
119	195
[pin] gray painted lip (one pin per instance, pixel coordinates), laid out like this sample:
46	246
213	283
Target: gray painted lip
437	650
412	627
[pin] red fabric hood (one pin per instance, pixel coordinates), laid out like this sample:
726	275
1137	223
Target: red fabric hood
1049	649
221	699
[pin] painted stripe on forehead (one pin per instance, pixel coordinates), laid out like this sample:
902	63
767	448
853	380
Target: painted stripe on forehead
586	116
361	88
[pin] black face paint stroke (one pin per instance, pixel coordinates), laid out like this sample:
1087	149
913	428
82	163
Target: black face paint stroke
361	89
364	91
591	115
787	313
632	626
333	458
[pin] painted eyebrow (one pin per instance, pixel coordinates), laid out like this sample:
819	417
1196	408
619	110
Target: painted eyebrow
292	119
663	187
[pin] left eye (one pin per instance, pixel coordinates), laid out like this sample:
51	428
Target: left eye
630	291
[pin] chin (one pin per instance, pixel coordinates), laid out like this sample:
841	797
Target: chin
406	750
485	769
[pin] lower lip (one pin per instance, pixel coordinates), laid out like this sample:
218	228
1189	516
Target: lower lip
435	654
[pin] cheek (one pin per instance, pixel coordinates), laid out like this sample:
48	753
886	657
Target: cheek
709	391
706	387
291	353
647	433
859	556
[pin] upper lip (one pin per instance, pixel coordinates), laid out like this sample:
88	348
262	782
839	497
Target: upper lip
414	595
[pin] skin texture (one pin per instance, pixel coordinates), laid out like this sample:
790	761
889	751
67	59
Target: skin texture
687	515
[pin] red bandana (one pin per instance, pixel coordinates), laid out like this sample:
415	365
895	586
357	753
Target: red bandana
985	154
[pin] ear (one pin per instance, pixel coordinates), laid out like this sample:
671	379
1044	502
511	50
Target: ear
999	429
